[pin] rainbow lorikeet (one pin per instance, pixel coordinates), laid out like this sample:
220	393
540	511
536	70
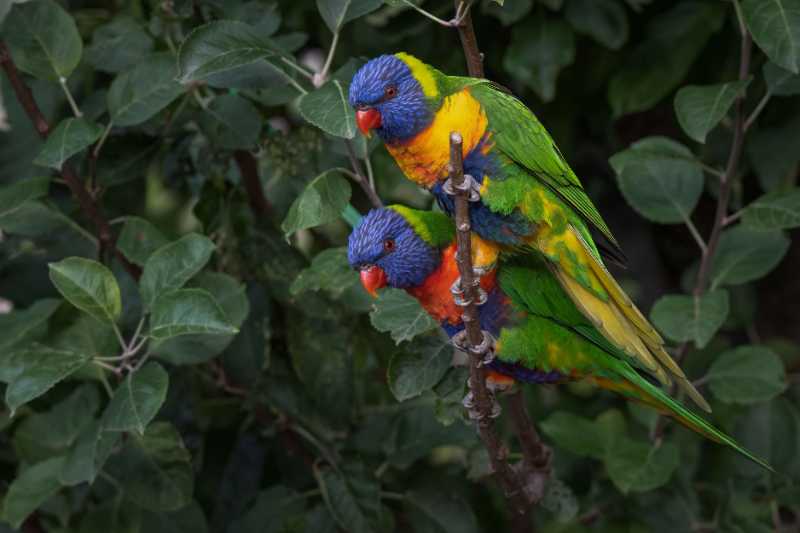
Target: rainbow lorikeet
529	198
541	336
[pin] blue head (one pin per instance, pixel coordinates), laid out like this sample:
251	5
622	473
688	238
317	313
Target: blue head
387	251
395	95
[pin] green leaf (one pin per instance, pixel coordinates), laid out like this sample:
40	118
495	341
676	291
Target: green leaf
140	93
685	318
322	201
329	271
19	325
328	109
139	239
605	21
747	375
779	81
189	519
537	61
336	13
79	464
701	108
89	286
185	312
13	196
34	486
744	254
47	434
322	358
219	52
775	26
32	372
398	313
770	431
232	122
137	400
639	466
655	67
419	368
43	39
446	510
155	469
774	153
582	436
510	13
341	502
72	135
118	45
660	179
229	293
774	211
172	265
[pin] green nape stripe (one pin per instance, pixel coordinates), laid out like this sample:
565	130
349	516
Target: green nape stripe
434	228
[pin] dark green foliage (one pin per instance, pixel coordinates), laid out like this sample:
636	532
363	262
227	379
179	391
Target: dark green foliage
196	354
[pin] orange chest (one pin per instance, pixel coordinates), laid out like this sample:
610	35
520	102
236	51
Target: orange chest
423	159
434	295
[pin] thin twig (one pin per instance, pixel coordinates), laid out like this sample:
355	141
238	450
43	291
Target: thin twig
87	204
72	104
359	173
469	42
757	111
696	234
498	452
322	77
726	181
248	168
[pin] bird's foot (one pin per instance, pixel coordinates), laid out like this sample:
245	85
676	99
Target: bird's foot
484	349
457	290
474	413
469	185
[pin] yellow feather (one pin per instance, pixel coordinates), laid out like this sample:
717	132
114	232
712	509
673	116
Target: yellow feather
424	158
422	73
619	321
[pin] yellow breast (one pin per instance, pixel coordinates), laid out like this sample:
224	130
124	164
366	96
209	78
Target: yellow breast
424	158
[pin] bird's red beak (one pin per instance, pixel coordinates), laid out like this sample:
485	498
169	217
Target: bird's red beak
368	119
373	278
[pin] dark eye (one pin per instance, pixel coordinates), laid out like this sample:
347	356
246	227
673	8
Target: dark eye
390	91
388	245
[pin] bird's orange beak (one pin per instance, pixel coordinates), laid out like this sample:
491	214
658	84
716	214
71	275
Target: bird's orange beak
373	278
368	119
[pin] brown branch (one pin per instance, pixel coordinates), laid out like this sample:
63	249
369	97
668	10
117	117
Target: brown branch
723	199
90	208
469	42
248	168
731	170
498	452
360	178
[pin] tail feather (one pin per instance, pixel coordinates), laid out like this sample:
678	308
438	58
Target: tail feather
621	322
638	388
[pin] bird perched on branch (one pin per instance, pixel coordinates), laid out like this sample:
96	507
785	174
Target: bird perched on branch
525	195
541	336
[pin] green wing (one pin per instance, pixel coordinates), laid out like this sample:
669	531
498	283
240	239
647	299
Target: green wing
519	135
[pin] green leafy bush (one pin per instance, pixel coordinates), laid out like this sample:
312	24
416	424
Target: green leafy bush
185	348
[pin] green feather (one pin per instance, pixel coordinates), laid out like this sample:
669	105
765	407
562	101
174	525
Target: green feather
523	139
434	228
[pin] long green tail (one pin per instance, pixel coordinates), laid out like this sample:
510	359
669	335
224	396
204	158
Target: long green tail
657	398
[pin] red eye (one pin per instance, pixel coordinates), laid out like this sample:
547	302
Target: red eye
390	92
388	245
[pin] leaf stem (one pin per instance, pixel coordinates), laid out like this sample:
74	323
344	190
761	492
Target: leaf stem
75	110
696	234
757	111
437	20
298	68
323	75
359	174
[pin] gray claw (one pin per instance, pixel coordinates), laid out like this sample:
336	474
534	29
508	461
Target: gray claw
457	291
469	185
